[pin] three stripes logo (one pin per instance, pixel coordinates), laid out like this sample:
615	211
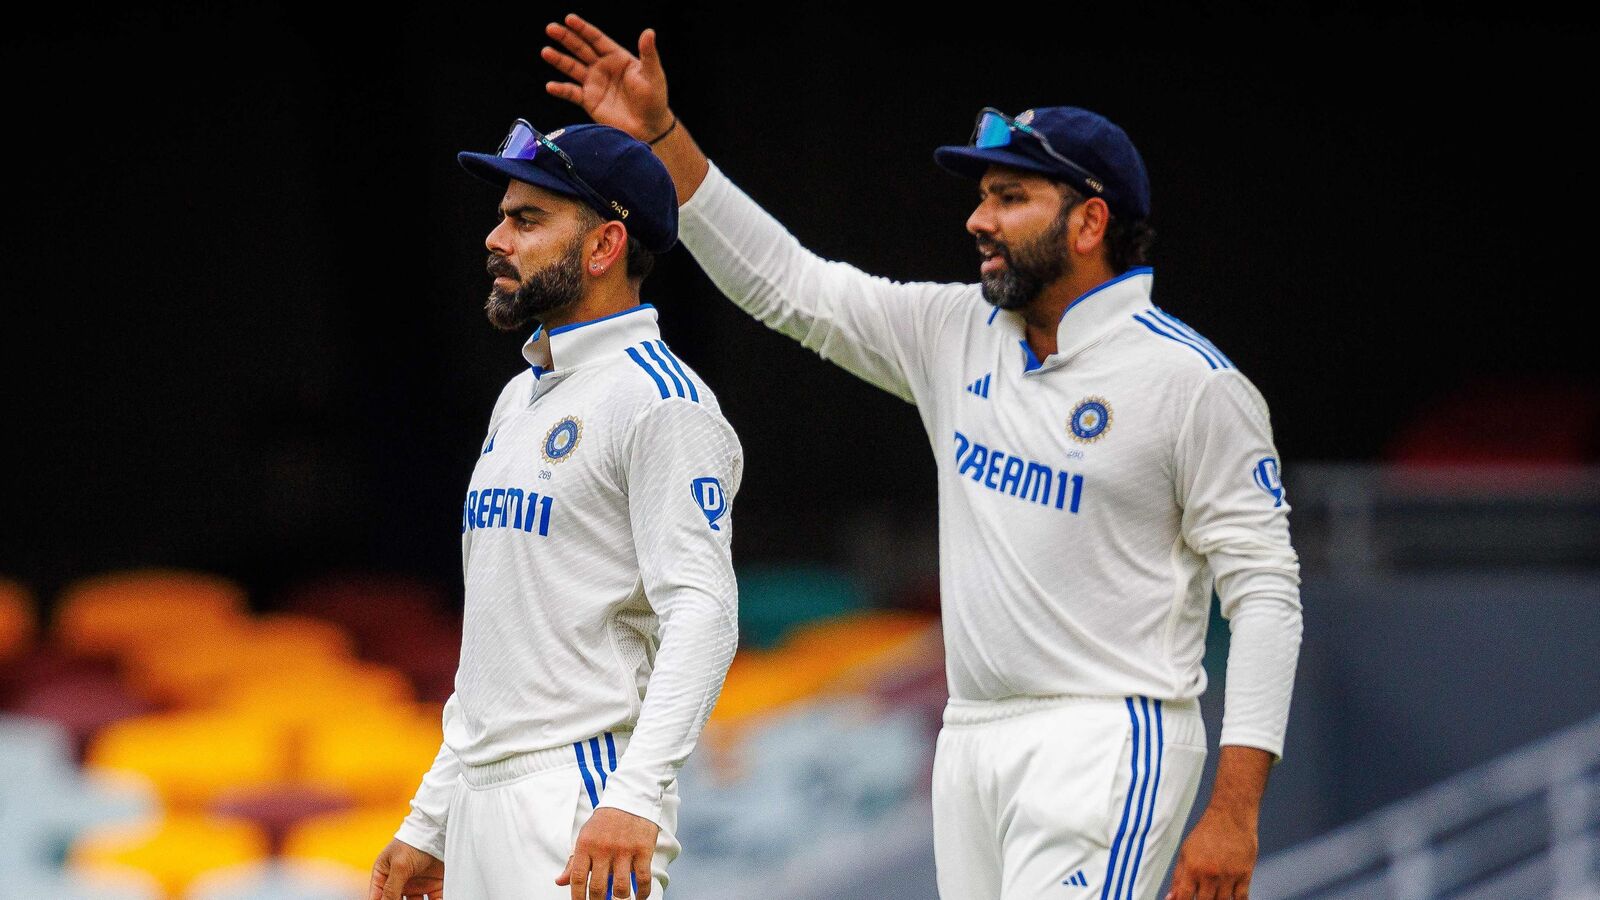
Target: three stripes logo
664	369
1077	879
981	386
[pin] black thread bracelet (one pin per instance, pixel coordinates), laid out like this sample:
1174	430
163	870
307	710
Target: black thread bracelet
663	135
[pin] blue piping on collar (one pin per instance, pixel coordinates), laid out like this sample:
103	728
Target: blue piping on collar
565	328
1136	270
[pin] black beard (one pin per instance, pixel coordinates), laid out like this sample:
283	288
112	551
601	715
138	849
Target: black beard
555	287
1029	268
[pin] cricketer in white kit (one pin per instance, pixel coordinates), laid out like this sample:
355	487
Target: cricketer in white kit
1101	467
601	605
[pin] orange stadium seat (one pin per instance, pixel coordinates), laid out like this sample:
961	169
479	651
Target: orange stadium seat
349	838
816	658
296	697
173	850
110	614
193	669
18	620
377	758
194	757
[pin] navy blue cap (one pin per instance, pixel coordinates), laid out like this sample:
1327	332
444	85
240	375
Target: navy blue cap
1087	138
616	166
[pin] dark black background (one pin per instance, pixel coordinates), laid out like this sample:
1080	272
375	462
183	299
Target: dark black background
243	273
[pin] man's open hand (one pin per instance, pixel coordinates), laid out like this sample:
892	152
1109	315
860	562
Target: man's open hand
404	871
612	85
613	852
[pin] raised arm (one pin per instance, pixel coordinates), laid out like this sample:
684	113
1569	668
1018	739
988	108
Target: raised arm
881	330
625	91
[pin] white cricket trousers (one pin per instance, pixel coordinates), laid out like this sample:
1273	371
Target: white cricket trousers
513	823
1065	798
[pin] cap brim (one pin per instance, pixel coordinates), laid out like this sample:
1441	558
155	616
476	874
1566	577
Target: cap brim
500	171
972	162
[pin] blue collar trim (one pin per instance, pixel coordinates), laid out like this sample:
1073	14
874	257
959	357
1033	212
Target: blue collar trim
566	328
1131	273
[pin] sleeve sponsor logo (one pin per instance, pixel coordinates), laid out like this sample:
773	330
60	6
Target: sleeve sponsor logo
713	501
1269	479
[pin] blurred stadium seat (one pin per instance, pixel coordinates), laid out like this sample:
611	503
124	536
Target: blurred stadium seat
349	838
377	759
113	613
194	757
278	808
281	880
18	620
174	850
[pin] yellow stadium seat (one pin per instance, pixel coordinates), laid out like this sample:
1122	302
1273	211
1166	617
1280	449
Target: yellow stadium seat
351	838
191	670
110	614
173	850
816	658
18	619
377	758
191	758
295	697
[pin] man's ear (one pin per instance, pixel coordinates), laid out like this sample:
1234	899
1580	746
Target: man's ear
608	246
1095	217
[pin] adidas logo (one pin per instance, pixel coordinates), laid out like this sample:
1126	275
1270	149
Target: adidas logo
981	386
1077	880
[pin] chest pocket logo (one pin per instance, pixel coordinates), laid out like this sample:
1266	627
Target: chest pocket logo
562	439
1269	479
712	499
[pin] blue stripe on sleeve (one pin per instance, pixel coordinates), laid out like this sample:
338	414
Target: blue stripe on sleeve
676	384
1127	804
1182	340
660	385
588	780
1161	748
1180	326
693	393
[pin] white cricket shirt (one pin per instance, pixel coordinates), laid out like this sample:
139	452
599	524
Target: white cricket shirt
1087	503
595	547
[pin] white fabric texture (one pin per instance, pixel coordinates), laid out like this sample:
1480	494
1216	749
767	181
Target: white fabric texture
509	838
1087	503
596	551
1050	798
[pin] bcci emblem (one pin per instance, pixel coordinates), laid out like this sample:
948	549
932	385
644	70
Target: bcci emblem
562	439
1089	420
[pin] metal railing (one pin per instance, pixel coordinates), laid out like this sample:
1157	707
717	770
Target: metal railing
1521	827
1356	520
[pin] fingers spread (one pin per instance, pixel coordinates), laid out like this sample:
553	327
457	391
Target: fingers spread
564	90
574	44
564	64
599	40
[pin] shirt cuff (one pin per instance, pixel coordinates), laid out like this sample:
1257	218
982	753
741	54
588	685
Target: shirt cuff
642	800
423	835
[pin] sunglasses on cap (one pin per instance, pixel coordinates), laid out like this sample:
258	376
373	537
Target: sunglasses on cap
994	129
524	141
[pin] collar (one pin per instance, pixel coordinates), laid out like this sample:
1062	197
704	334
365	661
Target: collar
581	342
1095	312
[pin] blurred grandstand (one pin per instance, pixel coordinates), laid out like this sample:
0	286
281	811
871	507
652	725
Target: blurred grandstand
162	740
